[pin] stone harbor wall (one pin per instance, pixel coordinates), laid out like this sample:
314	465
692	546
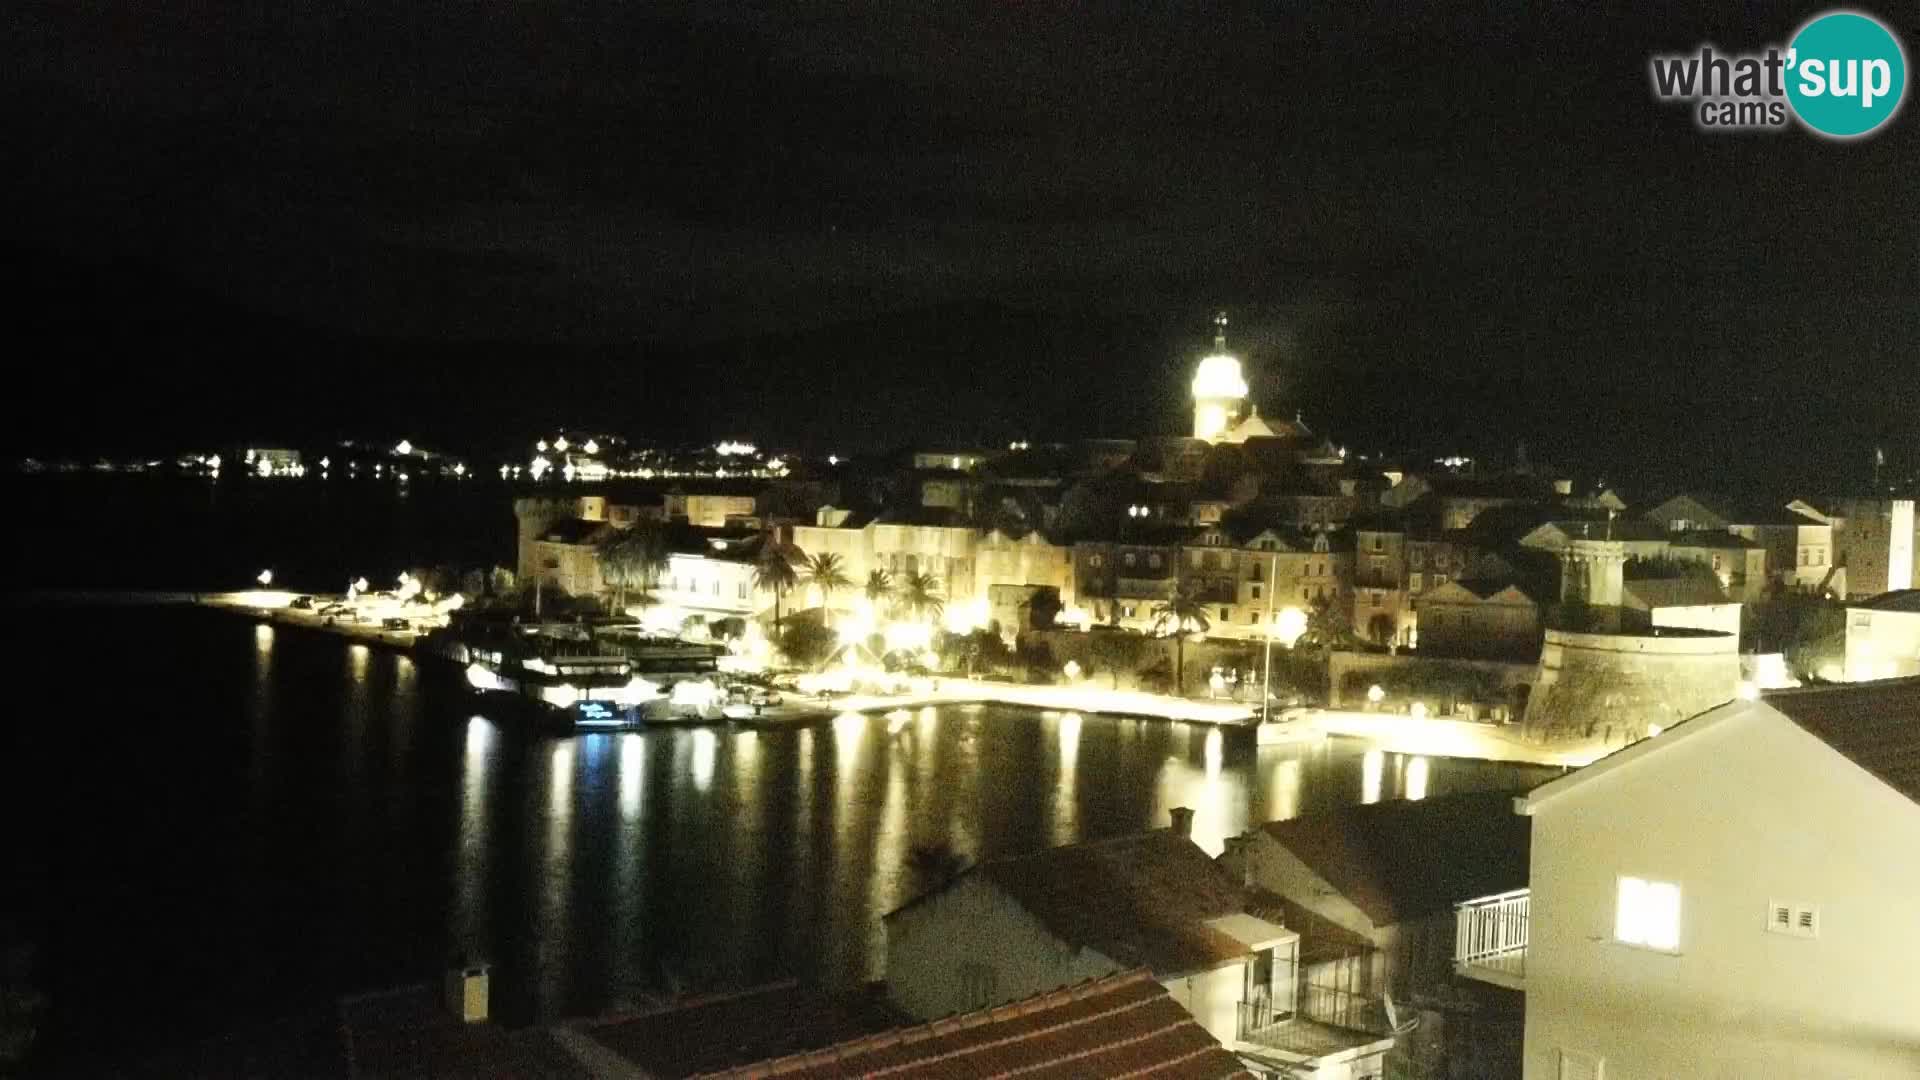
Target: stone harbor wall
1617	688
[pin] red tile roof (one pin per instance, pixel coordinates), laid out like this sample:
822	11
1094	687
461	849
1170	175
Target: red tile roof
723	1031
1407	859
399	1033
1875	725
1141	899
407	1033
1123	1025
1905	600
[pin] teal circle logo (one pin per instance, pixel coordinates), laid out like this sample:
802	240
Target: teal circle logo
1846	74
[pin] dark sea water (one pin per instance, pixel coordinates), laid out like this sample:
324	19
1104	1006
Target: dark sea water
221	822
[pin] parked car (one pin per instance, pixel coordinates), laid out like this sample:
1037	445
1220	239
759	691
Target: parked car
336	609
302	603
395	624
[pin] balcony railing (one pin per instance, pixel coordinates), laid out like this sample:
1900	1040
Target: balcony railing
1490	938
1321	1021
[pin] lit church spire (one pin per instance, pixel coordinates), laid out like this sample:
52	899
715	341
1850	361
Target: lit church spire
1219	389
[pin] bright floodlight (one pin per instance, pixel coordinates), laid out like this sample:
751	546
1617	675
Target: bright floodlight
1219	377
1289	624
265	577
1375	694
404	448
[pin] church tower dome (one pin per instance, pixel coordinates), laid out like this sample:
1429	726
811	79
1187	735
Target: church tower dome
1219	388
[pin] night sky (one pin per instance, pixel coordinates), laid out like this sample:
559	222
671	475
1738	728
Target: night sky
975	222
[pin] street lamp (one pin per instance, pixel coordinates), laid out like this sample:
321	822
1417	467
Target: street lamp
1266	678
265	577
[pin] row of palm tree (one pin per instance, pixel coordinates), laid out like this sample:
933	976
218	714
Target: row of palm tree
782	568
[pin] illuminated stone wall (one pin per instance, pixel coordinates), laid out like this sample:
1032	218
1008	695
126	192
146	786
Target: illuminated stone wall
1616	687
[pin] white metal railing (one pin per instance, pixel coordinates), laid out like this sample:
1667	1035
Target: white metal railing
1491	932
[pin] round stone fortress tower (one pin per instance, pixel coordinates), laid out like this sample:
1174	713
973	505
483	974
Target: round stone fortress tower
1598	684
1614	688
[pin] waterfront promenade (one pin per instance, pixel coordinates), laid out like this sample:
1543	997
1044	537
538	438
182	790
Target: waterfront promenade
1390	732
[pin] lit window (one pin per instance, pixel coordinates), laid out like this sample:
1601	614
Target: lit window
1129	558
1647	914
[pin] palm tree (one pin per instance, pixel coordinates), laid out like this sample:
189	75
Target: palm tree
648	540
631	557
1328	625
774	573
920	595
1180	611
879	589
827	572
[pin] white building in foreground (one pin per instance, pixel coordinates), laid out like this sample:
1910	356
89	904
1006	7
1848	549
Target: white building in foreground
1738	897
1883	637
1012	928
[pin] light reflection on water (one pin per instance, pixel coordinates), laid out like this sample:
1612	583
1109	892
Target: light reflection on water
351	819
708	857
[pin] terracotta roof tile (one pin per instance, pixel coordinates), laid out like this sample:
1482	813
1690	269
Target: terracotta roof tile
1875	725
1140	899
1906	600
1123	1025
1405	859
724	1031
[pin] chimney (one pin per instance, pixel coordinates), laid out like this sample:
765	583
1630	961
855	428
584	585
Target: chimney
1182	820
467	991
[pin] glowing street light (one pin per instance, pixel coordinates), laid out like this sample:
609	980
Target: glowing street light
560	444
404	449
591	447
1375	694
264	577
